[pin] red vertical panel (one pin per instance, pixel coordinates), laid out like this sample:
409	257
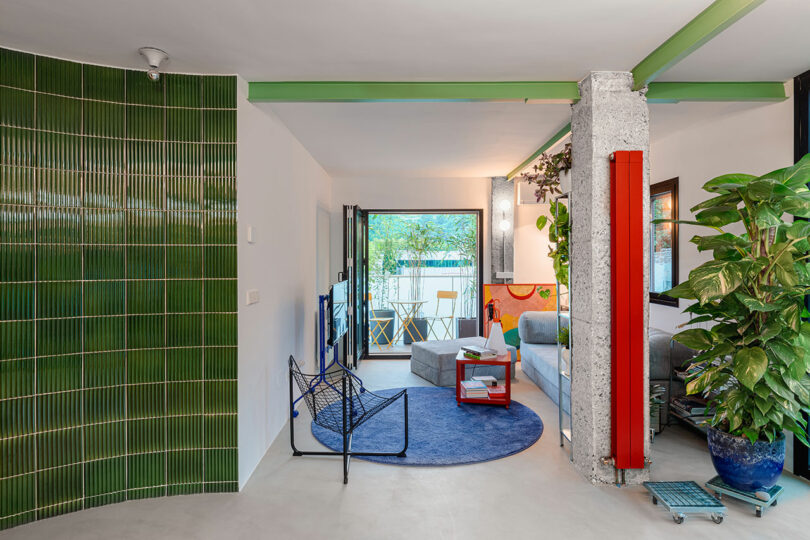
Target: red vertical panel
627	305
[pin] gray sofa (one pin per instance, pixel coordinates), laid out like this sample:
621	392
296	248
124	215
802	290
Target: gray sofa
435	361
538	356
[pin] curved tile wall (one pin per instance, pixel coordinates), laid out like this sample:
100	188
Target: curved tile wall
117	286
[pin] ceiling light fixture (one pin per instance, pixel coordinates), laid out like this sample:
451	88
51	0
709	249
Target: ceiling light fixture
154	57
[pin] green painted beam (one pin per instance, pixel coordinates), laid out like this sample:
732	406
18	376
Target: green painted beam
549	143
711	21
353	91
673	92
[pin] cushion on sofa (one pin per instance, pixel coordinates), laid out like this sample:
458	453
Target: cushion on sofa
539	327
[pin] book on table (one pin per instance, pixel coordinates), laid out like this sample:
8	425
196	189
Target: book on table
474	390
488	380
497	392
473	356
475	352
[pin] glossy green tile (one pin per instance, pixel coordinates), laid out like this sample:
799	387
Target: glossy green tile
143	90
220	362
146	366
59	262
101	500
184	262
105	155
184	228
183	159
219	159
219	91
58	486
59	448
184	296
220	397
104	298
184	398
104	262
148	435
105	476
184	489
17	70
221	465
145	157
59	373
17	263
146	297
16	380
220	431
16	339
104	404
219	126
104	369
146	400
59	411
221	295
184	432
59	225
16	456
17	495
184	330
103	119
145	192
144	122
184	125
184	364
16	301
18	417
59	299
16	107
59	188
104	190
184	193
220	262
146	262
220	329
58	113
183	90
59	151
146	470
17	224
185	467
104	333
221	487
18	146
146	227
102	226
105	440
16	185
103	83
56	76
220	227
146	331
59	336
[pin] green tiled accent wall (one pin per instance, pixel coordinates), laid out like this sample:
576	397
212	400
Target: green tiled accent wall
117	286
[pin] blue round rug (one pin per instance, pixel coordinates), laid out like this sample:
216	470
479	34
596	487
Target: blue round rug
441	433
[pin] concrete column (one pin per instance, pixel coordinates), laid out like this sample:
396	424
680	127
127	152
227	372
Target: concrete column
608	117
502	241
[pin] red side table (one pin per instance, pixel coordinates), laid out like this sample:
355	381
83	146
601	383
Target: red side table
461	364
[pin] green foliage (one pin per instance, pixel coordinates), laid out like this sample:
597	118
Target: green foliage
757	353
546	174
559	233
563	335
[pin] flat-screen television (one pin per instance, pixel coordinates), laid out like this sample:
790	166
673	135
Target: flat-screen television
338	311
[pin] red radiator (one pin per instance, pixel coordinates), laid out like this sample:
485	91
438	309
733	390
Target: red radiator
627	308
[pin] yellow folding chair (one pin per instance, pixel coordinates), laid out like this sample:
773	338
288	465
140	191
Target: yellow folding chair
446	320
380	324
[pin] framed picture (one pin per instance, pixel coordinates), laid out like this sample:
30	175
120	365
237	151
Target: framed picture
663	242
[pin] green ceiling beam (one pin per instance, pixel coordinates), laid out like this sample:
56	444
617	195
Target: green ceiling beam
711	21
673	92
549	143
358	91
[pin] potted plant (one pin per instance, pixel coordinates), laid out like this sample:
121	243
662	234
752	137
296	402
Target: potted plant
754	361
384	253
547	173
419	241
465	242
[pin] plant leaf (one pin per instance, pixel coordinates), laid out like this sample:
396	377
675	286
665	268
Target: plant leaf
728	182
798	229
767	189
715	279
718	216
720	200
749	366
541	222
725	240
794	177
753	304
797	205
681	290
695	338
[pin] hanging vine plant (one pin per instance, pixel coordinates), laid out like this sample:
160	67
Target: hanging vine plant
546	173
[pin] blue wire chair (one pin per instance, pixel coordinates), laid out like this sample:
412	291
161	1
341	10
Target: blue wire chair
337	404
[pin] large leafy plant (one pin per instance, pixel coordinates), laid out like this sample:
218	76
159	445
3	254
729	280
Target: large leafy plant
757	352
559	232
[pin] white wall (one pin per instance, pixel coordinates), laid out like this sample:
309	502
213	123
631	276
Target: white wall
285	195
408	194
532	263
716	139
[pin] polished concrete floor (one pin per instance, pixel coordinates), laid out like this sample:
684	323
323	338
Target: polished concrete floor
532	495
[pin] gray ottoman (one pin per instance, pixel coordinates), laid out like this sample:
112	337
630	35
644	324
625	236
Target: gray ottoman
435	361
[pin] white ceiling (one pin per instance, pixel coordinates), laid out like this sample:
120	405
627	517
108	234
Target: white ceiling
418	140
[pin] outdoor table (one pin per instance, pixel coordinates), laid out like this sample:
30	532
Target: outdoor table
406	310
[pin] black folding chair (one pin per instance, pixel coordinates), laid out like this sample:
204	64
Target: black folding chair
336	403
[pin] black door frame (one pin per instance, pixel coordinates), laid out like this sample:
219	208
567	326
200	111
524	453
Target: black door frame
479	213
801	146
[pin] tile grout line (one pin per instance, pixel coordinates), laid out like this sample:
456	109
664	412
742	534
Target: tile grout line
36	300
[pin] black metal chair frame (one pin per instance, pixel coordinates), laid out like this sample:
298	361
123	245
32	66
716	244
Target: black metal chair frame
320	393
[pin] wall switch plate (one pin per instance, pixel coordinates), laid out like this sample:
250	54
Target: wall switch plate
252	296
251	234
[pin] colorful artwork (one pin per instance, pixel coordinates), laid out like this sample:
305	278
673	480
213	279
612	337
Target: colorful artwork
513	299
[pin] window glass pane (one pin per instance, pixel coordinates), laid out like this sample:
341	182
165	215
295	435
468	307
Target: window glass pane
661	244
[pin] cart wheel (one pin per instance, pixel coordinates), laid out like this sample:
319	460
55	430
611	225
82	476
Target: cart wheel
718	495
717	518
774	502
655	500
759	511
677	518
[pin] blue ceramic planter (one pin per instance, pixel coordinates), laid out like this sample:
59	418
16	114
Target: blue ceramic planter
746	466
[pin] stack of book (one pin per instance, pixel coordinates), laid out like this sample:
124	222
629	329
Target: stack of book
497	392
474	390
474	352
695	408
